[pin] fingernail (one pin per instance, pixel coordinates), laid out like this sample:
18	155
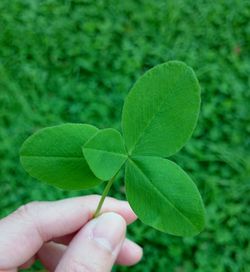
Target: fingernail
109	230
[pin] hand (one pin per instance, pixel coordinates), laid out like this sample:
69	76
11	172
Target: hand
64	237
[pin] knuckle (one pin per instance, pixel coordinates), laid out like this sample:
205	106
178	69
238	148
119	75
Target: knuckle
27	210
29	213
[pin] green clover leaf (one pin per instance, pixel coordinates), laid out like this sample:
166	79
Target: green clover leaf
54	155
159	116
105	153
168	200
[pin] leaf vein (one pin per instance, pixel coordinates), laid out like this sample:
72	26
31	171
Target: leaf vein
56	157
105	151
164	196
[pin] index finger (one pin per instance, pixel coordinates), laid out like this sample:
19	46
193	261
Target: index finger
24	232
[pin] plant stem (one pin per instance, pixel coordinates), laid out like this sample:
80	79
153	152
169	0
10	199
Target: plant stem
104	194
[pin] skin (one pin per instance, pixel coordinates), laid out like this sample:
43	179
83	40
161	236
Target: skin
64	237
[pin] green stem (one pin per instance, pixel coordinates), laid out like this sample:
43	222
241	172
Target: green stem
104	194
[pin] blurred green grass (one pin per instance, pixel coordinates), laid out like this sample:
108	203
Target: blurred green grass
74	61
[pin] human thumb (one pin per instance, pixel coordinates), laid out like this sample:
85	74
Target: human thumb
96	246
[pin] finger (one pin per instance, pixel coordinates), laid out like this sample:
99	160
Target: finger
128	215
33	224
130	253
96	246
51	253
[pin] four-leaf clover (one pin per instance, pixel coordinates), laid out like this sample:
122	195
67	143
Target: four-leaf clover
159	116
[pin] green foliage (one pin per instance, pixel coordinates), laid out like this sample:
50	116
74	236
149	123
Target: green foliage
164	196
74	61
169	90
161	110
105	153
53	155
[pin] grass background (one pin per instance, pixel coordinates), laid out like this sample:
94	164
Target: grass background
75	60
